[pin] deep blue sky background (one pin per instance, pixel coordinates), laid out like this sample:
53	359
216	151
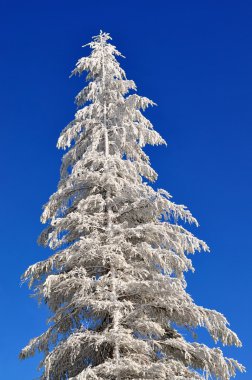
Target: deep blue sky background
194	58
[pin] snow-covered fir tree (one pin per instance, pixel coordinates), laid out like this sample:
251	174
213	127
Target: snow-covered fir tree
115	283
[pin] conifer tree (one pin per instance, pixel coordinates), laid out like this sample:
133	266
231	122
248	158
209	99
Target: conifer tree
115	283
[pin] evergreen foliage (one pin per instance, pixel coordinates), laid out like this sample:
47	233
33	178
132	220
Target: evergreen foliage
115	283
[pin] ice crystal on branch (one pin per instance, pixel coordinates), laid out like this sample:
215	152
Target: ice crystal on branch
115	284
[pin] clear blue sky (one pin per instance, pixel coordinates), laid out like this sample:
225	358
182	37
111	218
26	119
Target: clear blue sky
194	58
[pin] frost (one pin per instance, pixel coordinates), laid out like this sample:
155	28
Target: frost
120	253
